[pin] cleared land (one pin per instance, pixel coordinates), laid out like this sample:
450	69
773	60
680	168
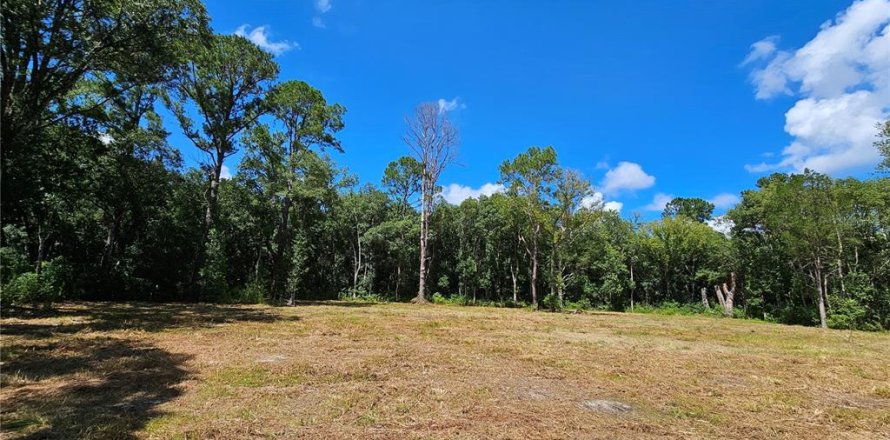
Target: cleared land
350	370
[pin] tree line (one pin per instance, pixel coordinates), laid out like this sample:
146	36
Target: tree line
96	204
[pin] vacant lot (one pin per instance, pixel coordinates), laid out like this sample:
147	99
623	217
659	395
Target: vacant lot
345	370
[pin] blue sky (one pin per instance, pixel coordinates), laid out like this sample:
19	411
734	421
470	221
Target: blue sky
647	98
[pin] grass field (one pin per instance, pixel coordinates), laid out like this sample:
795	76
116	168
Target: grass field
353	370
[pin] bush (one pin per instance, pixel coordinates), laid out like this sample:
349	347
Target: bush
582	304
675	308
21	289
551	302
362	296
252	293
849	314
31	288
438	298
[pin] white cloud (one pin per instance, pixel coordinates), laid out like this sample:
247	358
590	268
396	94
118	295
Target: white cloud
762	49
613	206
842	80
724	200
721	224
592	202
602	165
323	5
597	200
106	138
225	173
626	176
658	202
318	22
456	193
447	106
260	36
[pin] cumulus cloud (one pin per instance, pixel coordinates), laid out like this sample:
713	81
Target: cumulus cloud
724	200
626	176
658	202
456	193
260	36
597	200
842	81
448	106
762	49
721	224
613	206
318	22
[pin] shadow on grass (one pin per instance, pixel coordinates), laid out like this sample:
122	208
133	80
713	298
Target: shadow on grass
107	388
149	317
59	383
336	303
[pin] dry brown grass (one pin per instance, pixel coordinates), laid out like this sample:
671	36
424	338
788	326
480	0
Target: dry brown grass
345	370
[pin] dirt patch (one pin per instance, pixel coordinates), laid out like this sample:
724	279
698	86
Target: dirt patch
271	359
606	406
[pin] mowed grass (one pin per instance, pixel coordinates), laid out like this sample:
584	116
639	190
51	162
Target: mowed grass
348	370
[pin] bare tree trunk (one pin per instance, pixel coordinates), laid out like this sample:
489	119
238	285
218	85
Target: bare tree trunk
534	269
424	225
398	278
727	296
817	279
42	244
110	241
704	298
633	287
534	281
356	262
433	140
514	280
840	255
720	298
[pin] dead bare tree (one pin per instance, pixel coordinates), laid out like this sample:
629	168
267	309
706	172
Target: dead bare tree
726	295
433	142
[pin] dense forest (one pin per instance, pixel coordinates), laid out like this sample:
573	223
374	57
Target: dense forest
97	204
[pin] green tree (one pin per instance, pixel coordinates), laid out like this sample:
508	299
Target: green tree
49	47
309	122
225	81
401	180
531	179
574	210
693	208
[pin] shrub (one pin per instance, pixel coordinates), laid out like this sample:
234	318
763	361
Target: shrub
253	293
31	288
675	308
848	314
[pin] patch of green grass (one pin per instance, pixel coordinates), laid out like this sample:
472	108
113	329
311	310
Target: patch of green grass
257	376
21	423
161	423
